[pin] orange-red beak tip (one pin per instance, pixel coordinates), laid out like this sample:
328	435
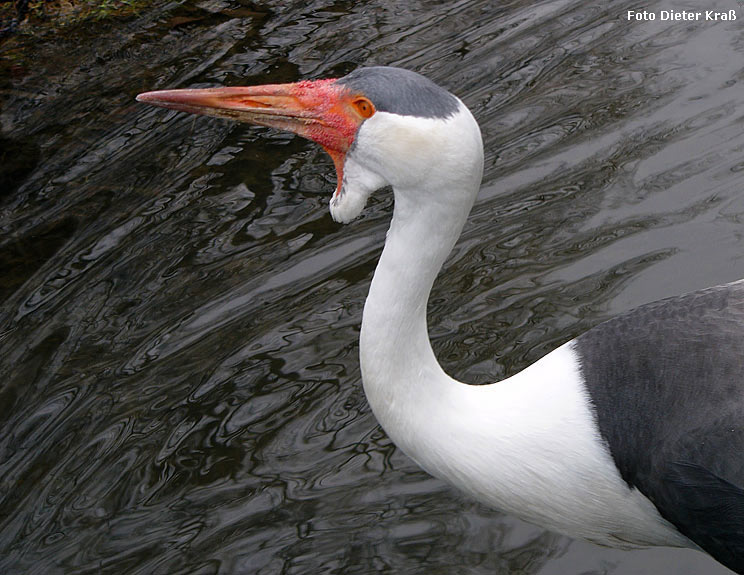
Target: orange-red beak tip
319	110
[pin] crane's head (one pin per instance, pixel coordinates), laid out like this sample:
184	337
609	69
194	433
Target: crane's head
380	125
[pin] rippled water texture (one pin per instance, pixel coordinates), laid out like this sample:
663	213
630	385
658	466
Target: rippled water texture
179	383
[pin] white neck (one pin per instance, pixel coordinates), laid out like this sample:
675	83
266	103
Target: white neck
514	445
400	372
432	203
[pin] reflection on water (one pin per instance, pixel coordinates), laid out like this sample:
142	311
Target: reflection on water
179	386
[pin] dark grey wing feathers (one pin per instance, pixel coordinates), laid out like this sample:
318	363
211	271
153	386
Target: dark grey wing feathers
708	510
666	382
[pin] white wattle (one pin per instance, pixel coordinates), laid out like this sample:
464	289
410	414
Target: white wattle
358	183
527	445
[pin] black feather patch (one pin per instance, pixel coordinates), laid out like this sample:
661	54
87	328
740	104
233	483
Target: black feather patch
709	510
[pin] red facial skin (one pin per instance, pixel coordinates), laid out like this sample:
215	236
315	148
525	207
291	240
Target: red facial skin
320	110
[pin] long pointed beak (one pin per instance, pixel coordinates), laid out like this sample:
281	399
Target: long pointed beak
318	110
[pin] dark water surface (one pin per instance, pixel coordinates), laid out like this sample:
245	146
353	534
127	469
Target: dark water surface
179	383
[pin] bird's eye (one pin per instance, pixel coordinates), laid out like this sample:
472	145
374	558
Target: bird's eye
365	108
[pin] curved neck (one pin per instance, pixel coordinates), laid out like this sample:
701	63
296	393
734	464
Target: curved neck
398	365
512	445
